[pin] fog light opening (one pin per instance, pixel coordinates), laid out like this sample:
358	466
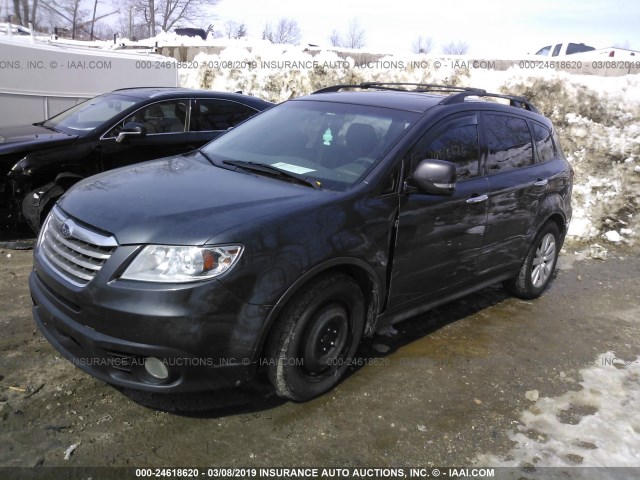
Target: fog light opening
156	368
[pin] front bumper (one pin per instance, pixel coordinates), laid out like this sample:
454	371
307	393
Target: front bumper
205	336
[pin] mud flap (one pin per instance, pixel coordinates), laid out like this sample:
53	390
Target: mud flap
40	201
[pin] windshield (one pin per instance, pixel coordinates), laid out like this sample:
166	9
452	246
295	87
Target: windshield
332	144
89	115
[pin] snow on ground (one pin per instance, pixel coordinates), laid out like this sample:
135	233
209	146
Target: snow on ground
597	118
593	427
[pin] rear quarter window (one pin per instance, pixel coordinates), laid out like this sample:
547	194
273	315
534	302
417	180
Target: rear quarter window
544	143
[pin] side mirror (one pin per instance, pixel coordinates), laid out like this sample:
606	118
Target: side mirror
435	177
131	129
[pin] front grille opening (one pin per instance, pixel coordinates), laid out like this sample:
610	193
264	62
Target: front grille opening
74	251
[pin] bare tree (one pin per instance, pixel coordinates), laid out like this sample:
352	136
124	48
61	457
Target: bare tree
25	11
105	30
423	45
335	39
455	48
354	37
93	18
242	31
285	31
70	11
235	30
76	15
165	14
131	24
151	16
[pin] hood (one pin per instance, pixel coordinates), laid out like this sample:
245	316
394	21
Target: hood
181	200
31	137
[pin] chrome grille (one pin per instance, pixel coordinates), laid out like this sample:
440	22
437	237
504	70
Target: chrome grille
72	250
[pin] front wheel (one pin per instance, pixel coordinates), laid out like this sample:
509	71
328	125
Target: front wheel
537	269
316	337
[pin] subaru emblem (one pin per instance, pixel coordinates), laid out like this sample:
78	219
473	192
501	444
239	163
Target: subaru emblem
65	230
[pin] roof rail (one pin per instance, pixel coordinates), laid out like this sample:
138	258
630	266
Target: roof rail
420	87
514	101
459	93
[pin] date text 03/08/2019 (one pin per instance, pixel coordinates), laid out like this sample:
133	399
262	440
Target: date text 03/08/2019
322	473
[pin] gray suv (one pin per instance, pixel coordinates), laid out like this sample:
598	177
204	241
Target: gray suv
277	246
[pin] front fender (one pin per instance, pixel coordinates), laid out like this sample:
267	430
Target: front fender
363	273
38	202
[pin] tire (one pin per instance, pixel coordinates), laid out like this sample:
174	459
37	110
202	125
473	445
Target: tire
315	338
537	269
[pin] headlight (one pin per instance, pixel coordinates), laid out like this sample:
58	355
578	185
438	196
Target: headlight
171	264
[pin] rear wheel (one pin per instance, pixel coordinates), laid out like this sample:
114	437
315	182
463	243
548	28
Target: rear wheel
315	337
537	269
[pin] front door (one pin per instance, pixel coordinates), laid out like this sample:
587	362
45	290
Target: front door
439	237
167	134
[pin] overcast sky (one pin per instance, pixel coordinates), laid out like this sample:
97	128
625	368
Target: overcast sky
508	27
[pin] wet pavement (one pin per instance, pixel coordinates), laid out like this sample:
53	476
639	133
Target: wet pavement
448	388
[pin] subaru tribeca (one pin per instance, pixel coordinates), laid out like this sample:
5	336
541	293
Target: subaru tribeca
282	243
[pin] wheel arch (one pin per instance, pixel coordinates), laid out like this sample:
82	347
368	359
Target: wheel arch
551	210
37	203
363	274
560	220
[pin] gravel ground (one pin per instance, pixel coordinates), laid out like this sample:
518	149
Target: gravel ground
449	387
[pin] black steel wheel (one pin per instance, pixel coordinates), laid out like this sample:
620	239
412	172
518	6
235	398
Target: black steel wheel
315	337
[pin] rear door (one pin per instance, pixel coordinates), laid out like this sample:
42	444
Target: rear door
438	237
211	117
517	184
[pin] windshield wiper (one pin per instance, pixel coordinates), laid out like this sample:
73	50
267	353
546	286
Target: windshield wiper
273	171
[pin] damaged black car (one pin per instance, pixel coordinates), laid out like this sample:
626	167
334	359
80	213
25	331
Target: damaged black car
39	162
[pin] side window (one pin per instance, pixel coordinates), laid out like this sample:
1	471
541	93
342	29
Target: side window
544	143
456	142
578	48
509	143
544	50
160	117
218	115
556	50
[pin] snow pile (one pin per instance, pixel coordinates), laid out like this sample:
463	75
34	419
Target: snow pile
598	118
600	134
598	426
280	72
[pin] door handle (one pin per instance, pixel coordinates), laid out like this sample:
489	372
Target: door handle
541	183
478	199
